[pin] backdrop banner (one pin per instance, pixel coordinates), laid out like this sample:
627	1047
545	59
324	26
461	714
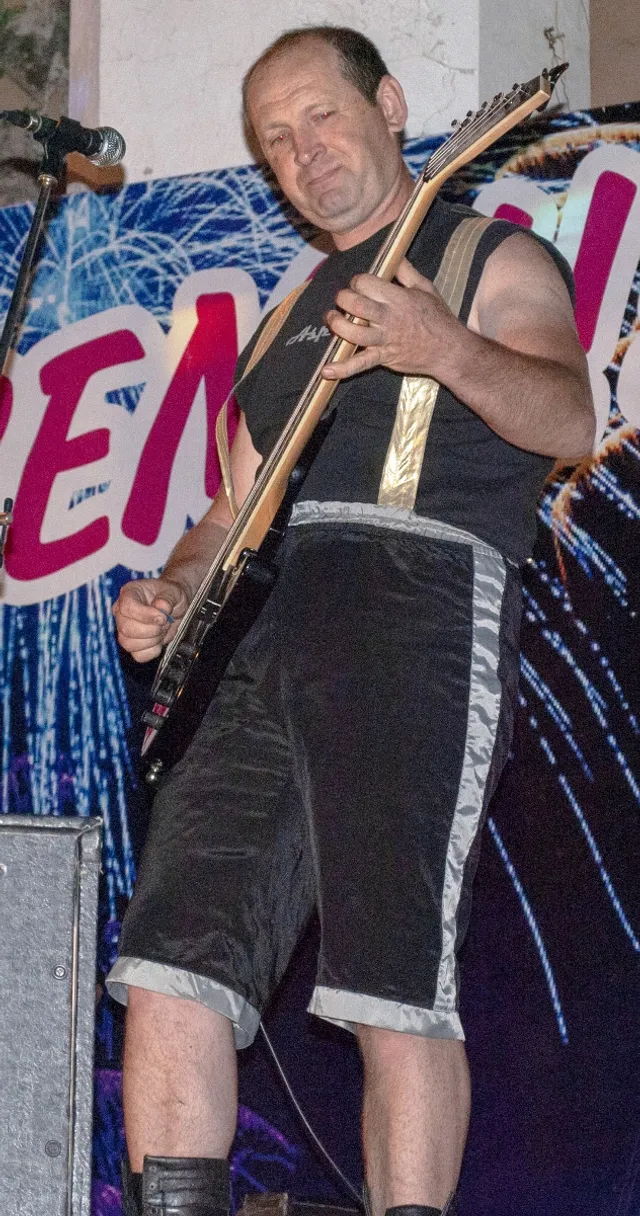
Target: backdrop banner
139	306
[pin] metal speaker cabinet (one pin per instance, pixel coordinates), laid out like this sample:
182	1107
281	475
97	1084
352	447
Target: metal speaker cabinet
48	912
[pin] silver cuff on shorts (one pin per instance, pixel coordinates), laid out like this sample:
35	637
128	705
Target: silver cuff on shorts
173	981
349	1009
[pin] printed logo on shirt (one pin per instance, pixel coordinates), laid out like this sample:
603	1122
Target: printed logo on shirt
310	333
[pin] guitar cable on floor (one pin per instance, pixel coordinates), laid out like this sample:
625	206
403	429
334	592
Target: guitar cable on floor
305	1122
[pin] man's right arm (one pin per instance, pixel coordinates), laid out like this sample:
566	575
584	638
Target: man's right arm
144	606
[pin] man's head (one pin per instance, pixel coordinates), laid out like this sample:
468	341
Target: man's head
360	61
326	116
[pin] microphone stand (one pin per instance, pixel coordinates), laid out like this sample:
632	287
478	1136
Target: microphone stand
48	177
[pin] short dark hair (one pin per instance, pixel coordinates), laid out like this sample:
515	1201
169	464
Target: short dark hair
360	61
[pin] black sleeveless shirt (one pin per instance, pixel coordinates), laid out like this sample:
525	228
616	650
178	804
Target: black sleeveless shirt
470	477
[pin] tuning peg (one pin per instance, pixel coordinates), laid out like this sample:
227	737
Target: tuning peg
454	123
469	113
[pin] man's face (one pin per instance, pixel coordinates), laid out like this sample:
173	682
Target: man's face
335	155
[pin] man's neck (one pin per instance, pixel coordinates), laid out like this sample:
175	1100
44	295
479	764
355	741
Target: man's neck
385	214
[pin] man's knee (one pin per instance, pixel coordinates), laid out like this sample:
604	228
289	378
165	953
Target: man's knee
157	1011
382	1041
374	1040
145	1005
382	1048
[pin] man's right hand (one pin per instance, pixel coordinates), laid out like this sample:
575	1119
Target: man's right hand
142	613
143	607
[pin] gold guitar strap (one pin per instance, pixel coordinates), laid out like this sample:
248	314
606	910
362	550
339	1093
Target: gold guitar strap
416	403
270	331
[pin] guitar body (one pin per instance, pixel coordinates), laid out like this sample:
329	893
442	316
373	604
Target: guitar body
187	683
191	691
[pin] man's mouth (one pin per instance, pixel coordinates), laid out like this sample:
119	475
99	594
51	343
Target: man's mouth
321	179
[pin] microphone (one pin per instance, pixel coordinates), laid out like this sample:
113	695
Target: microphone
102	146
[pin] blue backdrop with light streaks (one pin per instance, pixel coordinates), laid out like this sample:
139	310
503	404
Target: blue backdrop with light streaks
551	965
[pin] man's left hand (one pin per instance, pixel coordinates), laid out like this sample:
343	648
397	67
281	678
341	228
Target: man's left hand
409	327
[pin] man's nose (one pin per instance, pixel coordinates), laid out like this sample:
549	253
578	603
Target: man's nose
307	144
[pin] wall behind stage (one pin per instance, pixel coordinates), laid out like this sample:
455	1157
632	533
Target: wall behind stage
140	304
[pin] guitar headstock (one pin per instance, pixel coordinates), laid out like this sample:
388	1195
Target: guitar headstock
482	127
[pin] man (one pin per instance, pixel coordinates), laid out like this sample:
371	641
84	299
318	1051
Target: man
349	754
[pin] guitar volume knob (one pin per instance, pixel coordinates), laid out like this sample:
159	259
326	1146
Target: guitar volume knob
155	773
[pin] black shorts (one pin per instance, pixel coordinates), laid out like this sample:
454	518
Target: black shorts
346	761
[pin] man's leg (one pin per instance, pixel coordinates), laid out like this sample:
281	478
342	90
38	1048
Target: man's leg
403	691
415	1117
225	887
179	1079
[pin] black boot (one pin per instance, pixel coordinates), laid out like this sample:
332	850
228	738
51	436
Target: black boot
177	1186
131	1190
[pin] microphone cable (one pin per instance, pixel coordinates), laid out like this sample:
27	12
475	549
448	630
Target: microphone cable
305	1122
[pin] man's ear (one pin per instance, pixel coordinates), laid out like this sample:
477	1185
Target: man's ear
391	99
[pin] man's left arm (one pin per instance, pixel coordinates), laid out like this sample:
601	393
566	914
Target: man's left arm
518	362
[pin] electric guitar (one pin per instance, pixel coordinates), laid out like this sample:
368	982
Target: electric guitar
242	572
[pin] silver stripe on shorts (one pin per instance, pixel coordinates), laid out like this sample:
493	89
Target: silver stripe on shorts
173	981
485	693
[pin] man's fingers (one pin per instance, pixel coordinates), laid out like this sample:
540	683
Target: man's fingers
373	288
359	305
360	362
163	605
144	642
143	656
148	615
408	276
154	630
359	335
